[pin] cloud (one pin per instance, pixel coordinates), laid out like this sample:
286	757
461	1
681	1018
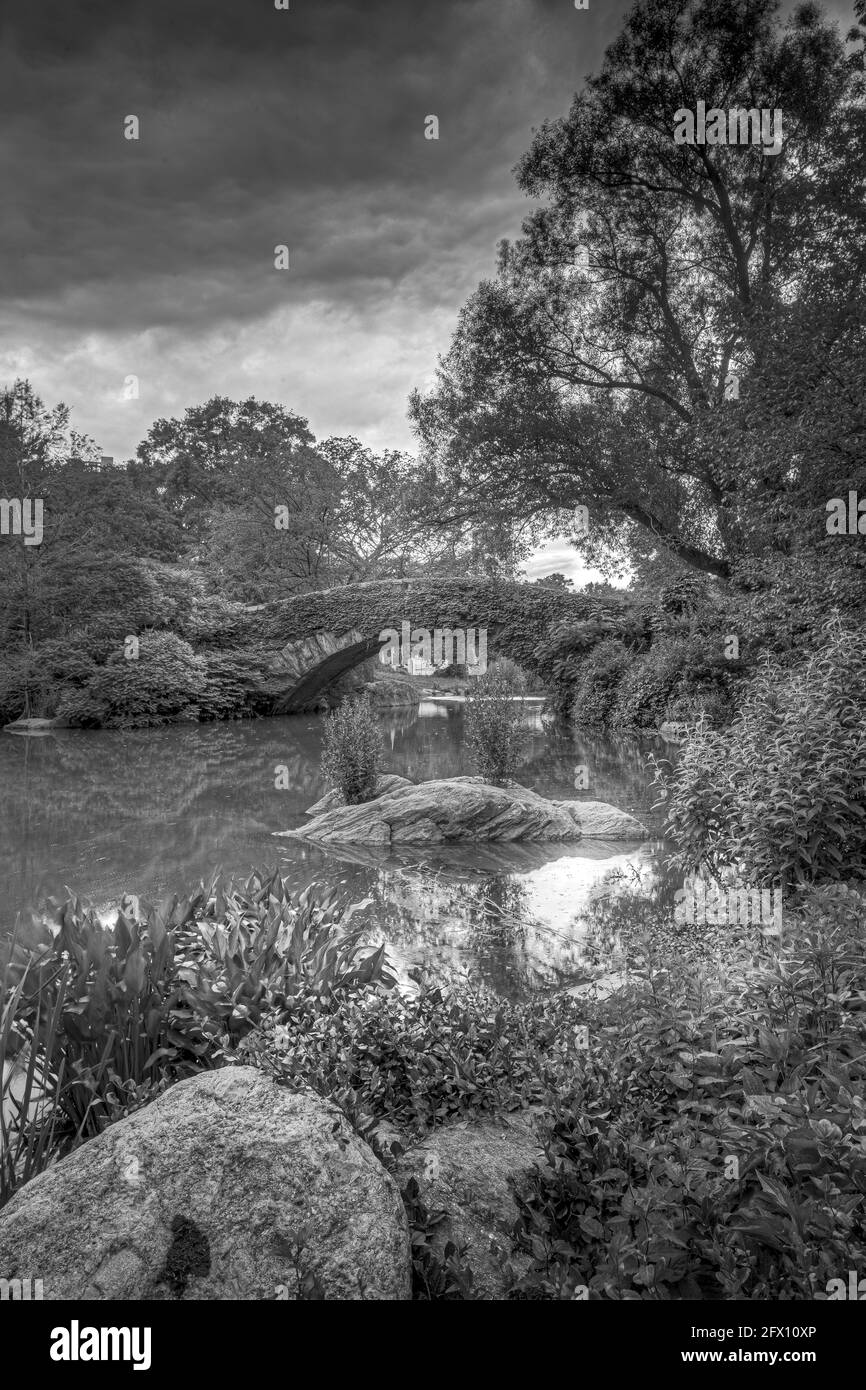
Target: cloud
558	557
261	127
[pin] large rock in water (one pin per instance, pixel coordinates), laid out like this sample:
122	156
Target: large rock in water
225	1187
464	808
32	726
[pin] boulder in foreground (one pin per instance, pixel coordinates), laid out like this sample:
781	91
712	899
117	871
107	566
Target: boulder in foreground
464	809
228	1186
471	1171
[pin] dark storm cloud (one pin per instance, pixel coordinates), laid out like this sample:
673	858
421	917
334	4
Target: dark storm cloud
260	127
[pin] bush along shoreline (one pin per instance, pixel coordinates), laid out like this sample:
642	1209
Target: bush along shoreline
700	1132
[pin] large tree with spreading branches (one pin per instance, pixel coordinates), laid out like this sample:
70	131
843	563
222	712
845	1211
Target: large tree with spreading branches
673	341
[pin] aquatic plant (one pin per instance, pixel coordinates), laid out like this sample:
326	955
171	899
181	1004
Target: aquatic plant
352	750
493	724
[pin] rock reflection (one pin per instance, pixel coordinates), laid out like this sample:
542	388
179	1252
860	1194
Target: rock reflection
153	811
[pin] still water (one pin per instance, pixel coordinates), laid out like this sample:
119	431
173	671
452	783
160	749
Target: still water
154	811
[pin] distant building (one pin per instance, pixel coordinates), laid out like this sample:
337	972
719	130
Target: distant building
419	667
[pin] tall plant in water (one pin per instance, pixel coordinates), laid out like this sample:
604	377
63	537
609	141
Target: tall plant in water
493	724
352	750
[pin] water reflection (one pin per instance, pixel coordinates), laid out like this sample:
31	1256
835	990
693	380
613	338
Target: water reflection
153	811
518	925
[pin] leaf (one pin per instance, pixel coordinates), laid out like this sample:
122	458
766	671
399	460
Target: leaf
134	971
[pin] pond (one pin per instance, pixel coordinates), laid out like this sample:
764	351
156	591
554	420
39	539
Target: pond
154	811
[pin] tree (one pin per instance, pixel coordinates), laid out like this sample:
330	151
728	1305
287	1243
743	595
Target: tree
380	525
33	443
617	388
267	510
375	529
556	581
222	453
98	530
253	495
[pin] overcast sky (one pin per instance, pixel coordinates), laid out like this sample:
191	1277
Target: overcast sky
258	127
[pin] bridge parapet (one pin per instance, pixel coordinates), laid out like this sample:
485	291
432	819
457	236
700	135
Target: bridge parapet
319	636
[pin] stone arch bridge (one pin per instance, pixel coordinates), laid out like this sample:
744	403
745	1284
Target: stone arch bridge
311	640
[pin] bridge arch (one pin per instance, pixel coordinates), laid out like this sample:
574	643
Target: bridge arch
313	639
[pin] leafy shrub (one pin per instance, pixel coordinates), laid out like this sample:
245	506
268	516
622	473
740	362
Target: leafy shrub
509	671
761	1064
561	654
226	692
166	680
656	653
453	1050
493	725
677	678
82	708
83	585
40	676
688	705
204	619
73	660
438	1279
352	750
598	678
782	791
645	689
757	1060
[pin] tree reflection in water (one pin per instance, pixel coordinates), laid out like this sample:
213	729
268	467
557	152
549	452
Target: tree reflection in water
517	916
